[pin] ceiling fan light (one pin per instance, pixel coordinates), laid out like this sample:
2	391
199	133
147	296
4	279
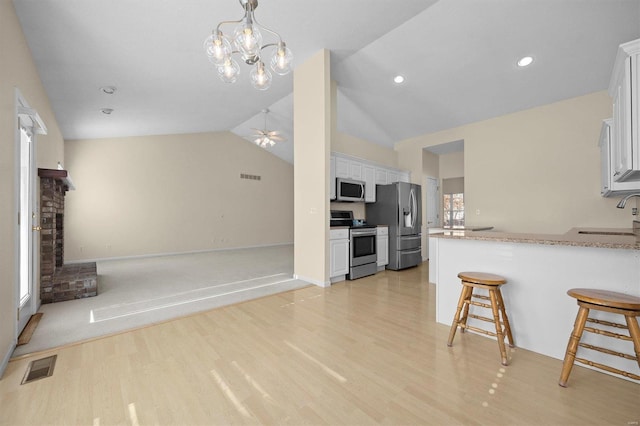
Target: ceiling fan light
260	77
282	60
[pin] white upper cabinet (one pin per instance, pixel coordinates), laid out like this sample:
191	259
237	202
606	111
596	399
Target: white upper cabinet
370	184
332	178
355	170
344	166
381	176
609	187
625	137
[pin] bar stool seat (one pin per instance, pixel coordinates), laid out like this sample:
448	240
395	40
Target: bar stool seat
608	301
491	283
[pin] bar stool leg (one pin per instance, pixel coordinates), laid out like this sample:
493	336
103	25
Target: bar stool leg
572	346
465	311
634	331
505	319
496	319
456	317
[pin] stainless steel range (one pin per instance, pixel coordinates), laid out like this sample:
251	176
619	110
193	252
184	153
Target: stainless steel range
362	244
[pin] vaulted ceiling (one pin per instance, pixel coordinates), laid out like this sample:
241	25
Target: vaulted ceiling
458	58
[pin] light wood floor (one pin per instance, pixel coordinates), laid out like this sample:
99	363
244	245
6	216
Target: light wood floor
361	352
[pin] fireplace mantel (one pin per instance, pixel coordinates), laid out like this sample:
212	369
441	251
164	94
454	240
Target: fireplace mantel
57	174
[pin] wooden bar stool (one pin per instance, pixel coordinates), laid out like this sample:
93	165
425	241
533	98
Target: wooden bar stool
609	301
491	283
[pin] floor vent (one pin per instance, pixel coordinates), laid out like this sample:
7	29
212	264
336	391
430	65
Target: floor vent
39	369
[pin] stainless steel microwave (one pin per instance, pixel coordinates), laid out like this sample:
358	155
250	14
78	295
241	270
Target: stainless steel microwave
349	190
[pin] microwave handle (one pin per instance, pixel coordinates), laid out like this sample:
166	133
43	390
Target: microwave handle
362	190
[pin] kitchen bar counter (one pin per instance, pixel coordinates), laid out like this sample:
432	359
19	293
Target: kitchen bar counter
539	270
615	238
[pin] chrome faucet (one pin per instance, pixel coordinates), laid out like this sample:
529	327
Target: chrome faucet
623	202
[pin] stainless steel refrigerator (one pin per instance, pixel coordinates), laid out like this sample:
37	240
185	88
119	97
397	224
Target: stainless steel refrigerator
398	206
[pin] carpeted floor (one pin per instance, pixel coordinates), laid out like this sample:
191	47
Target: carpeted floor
141	291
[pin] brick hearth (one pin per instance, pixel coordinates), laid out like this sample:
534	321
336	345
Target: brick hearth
59	282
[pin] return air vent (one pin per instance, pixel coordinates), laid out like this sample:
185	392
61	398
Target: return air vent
250	177
39	369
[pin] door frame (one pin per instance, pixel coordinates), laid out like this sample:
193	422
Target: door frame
427	179
25	116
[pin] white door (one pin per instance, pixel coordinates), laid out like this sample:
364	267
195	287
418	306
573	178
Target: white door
25	215
29	123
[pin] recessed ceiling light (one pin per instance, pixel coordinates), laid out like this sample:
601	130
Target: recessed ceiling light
525	61
398	79
107	111
109	90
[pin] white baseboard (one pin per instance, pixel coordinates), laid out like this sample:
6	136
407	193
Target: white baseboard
177	253
312	281
7	357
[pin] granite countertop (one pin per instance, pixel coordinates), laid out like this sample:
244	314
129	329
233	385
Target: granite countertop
577	237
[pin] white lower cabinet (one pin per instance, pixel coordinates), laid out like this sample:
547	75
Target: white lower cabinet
382	246
339	254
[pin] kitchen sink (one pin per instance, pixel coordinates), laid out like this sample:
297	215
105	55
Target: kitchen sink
625	234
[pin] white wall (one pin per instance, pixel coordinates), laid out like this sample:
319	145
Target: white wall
174	193
532	171
17	71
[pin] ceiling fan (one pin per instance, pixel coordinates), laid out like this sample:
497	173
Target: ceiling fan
266	138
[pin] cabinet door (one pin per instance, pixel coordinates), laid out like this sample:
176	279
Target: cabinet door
621	131
403	177
381	176
370	184
605	159
355	170
392	177
332	178
342	168
382	245
339	264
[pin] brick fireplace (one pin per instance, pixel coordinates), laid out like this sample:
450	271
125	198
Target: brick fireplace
59	282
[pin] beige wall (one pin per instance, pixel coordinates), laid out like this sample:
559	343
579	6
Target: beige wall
174	193
532	171
360	148
17	71
452	165
312	127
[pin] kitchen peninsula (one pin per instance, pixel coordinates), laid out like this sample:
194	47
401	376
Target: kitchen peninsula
540	269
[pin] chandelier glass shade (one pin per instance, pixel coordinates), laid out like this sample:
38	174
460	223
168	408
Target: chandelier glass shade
246	40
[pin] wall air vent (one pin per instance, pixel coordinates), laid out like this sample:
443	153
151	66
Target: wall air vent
250	177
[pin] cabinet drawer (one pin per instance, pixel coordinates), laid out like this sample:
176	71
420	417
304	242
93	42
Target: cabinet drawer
382	230
339	234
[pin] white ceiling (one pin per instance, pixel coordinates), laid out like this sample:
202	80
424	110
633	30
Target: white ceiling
458	57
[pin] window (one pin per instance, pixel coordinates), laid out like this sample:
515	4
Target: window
453	210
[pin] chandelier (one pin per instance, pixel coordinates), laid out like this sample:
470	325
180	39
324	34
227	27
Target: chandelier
247	41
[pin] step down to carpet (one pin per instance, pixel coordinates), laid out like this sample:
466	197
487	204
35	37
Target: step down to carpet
39	369
26	334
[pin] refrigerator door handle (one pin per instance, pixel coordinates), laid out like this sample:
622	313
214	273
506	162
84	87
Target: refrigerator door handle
413	208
